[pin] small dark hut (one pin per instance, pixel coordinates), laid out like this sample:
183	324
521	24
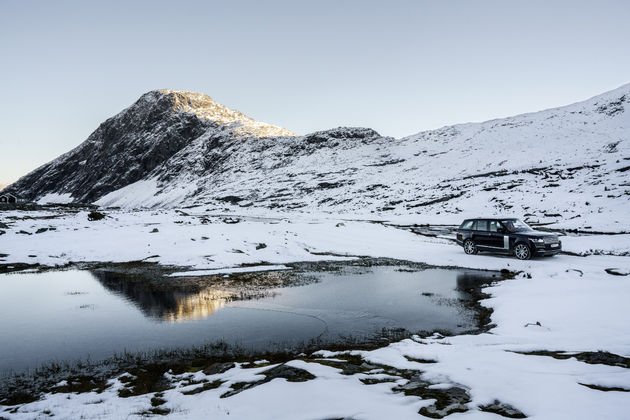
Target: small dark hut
8	199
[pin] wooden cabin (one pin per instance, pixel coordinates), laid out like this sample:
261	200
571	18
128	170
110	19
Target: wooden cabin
8	198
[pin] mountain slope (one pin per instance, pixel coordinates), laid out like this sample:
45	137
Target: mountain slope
128	146
570	161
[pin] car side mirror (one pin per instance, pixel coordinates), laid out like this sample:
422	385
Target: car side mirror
502	230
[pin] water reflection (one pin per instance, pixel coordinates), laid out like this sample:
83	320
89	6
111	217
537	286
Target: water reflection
164	305
171	305
78	314
474	279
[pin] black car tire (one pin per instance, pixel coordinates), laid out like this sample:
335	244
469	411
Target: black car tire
522	252
469	247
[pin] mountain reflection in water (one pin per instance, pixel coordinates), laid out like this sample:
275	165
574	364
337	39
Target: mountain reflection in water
163	305
96	314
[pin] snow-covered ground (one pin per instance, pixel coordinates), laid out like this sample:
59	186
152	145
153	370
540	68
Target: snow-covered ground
562	304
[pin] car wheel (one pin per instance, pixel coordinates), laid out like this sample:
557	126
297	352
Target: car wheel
522	252
470	247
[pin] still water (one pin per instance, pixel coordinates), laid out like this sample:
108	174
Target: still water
70	315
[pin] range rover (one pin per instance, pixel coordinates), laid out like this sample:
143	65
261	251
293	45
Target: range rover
506	235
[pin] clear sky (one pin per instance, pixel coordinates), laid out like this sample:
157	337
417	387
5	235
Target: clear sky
396	66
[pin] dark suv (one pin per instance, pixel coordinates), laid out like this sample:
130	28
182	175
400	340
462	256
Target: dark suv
506	235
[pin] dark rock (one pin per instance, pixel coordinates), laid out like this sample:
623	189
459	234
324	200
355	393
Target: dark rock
217	368
332	136
289	373
387	162
95	215
448	401
502	409
232	199
327	185
590	357
437	200
603	358
261	246
612	108
605	388
157	400
205	387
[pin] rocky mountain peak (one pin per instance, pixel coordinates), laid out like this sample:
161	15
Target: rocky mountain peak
206	108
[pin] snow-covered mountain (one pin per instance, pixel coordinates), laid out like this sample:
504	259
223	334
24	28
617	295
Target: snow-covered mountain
183	149
129	146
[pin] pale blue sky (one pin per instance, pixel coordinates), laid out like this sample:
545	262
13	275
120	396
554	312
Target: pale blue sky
398	66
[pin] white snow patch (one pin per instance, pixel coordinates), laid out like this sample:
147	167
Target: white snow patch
55	198
228	270
129	196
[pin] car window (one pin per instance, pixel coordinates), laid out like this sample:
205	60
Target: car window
494	225
515	225
481	225
467	224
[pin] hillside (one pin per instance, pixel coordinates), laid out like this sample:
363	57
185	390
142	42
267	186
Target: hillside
127	147
559	162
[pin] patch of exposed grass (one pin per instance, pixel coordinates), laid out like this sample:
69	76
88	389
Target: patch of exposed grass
605	388
19	397
590	357
157	399
159	411
413	359
81	384
205	387
374	381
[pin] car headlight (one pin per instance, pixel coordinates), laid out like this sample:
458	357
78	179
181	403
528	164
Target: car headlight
539	240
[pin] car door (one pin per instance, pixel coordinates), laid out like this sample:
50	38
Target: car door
480	234
496	237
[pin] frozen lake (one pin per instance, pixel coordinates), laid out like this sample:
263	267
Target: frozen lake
75	314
